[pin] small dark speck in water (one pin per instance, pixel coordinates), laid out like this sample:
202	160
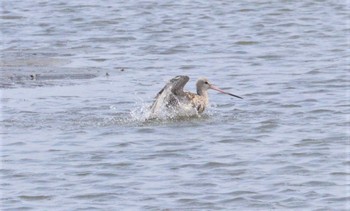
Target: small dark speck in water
33	76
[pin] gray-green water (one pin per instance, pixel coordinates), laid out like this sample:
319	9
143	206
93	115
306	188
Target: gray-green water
73	138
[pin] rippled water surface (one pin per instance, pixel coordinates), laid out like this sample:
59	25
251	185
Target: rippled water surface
77	77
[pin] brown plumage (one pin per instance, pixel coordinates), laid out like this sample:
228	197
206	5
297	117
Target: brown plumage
173	97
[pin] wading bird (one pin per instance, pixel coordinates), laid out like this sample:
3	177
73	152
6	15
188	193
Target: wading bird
173	97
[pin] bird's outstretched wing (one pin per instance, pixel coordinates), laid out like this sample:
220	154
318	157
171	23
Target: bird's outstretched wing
175	85
169	94
178	84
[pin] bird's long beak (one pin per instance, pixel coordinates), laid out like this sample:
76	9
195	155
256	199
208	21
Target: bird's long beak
222	91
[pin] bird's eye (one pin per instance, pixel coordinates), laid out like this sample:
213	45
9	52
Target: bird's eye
206	82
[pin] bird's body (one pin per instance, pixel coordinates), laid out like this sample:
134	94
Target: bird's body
172	98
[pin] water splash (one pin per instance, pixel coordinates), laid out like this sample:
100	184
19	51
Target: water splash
143	113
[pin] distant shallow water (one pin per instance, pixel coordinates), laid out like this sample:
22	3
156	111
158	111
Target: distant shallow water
77	76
